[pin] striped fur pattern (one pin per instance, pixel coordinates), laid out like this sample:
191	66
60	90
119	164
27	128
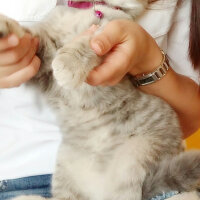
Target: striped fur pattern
117	142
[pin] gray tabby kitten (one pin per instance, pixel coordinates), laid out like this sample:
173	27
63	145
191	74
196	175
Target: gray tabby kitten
117	143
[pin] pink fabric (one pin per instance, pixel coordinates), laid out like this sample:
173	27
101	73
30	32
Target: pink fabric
83	4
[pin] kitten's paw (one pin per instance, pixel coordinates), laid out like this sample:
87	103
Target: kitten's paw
73	63
8	26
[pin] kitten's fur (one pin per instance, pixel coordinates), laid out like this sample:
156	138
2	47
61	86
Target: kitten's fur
118	143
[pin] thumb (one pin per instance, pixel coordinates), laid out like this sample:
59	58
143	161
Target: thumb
111	35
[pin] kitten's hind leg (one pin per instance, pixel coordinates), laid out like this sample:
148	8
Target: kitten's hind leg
186	196
73	62
180	173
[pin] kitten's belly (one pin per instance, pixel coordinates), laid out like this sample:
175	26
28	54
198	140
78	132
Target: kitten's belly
101	177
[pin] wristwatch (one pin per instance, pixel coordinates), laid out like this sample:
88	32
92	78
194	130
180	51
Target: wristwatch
157	74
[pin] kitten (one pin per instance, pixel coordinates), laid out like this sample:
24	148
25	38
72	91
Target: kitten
117	143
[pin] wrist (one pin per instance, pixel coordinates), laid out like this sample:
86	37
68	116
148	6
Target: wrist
163	86
149	61
153	76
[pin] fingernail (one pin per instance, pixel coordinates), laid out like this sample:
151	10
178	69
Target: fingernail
13	40
94	27
97	46
36	41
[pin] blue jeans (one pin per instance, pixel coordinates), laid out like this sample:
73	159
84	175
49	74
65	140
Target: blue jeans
33	185
164	196
39	185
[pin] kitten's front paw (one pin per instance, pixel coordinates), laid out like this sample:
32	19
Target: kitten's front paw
8	26
73	63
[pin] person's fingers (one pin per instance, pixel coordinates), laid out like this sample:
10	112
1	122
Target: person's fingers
14	55
89	31
30	54
8	70
113	69
113	82
111	35
8	42
22	75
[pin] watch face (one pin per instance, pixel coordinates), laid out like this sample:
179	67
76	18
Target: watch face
146	80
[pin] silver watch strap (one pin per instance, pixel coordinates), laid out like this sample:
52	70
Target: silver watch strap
154	76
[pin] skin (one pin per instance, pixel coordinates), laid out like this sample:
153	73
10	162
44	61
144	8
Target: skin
18	62
125	45
130	49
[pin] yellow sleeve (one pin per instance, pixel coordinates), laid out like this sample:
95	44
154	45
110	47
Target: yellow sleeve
193	142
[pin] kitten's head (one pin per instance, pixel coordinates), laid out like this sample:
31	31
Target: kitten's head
132	7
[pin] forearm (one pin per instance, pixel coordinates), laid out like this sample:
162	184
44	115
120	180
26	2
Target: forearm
180	92
183	95
130	49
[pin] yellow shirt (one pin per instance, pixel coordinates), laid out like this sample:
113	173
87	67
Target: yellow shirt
193	142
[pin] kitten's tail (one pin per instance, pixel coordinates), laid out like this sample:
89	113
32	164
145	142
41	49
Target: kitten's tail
180	173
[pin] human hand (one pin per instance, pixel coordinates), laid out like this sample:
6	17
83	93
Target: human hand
128	48
18	62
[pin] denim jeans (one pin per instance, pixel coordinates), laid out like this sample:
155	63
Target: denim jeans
40	185
33	185
164	196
